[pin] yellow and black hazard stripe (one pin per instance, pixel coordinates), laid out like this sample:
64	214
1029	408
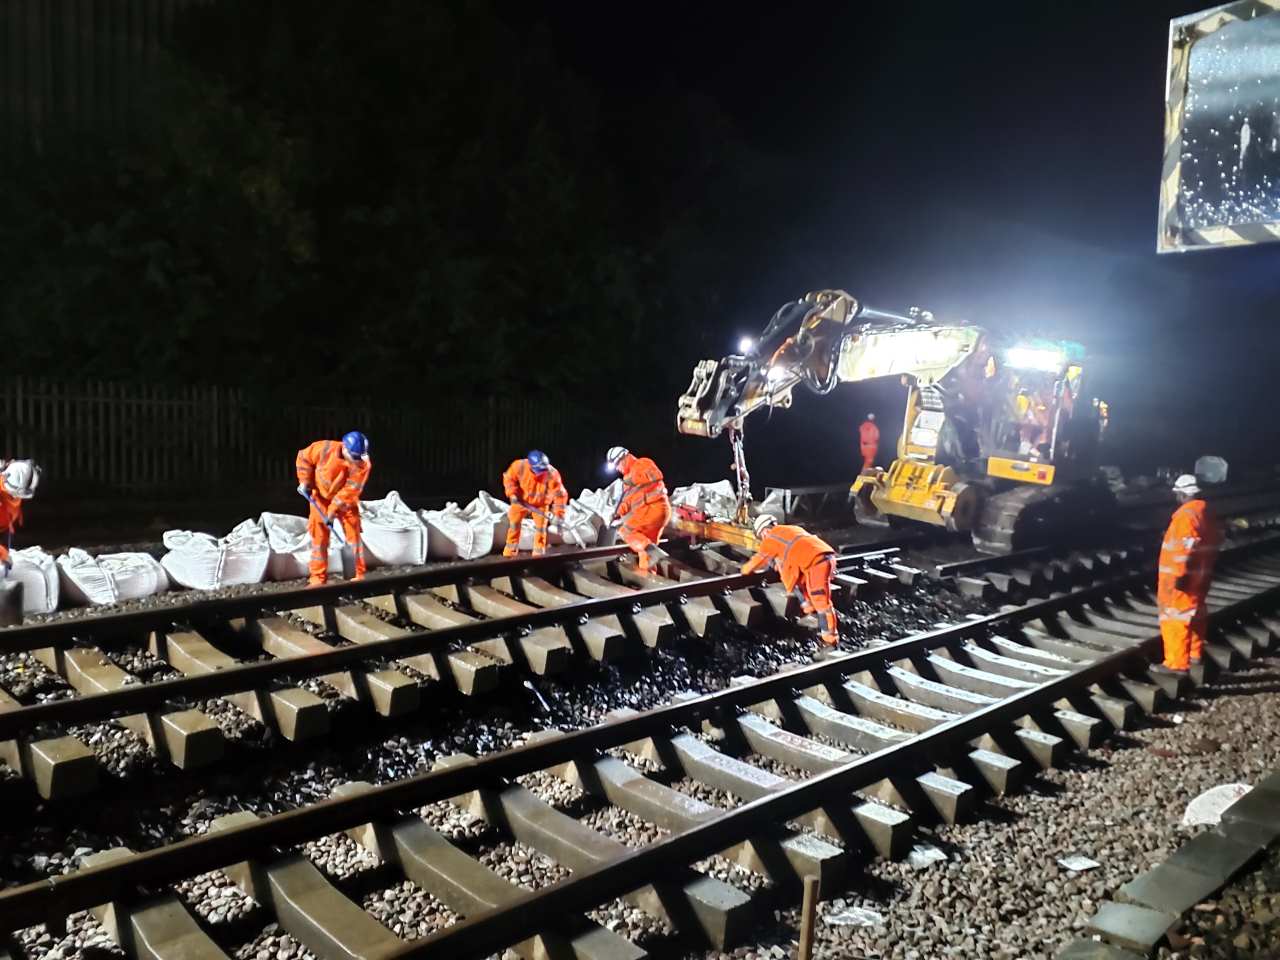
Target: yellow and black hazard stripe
1184	33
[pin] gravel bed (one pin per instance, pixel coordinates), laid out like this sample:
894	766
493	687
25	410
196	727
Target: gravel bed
1243	921
273	944
408	911
999	891
339	857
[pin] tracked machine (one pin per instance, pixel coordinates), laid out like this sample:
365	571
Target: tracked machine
998	439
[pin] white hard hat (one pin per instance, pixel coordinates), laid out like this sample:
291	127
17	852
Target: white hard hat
615	456
21	477
1187	484
763	523
871	416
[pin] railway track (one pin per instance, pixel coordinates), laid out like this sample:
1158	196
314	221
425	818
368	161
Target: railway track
824	763
397	642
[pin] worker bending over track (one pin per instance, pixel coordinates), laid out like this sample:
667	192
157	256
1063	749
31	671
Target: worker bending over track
18	482
535	490
332	475
803	560
644	509
868	441
1187	557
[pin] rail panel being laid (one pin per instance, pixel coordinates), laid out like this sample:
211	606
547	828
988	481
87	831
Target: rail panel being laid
926	724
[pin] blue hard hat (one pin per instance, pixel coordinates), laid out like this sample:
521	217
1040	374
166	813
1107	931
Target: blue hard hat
538	461
357	443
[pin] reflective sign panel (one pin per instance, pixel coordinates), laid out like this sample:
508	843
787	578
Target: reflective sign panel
1221	178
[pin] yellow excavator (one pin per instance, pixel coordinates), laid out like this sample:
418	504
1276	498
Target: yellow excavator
998	439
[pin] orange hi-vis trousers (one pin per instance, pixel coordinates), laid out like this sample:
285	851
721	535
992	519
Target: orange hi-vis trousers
1184	623
642	528
816	590
319	530
516	515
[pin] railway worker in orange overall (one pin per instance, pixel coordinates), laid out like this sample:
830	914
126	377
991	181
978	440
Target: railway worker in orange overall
533	482
1187	556
868	441
18	482
332	475
645	509
803	561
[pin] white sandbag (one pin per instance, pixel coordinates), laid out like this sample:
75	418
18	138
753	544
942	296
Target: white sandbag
717	500
604	501
455	534
392	532
204	562
109	578
486	505
290	544
38	574
772	505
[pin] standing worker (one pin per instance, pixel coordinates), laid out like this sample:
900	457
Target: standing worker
18	482
1187	556
805	561
869	441
533	482
332	475
644	509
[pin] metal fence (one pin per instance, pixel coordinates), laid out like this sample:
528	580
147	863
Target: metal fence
159	440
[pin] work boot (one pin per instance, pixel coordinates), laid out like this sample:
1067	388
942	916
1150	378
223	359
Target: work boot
1164	671
831	639
509	551
316	581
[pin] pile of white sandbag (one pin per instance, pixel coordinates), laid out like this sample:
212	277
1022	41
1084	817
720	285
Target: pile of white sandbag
204	562
109	578
604	501
393	533
717	500
38	574
290	544
455	533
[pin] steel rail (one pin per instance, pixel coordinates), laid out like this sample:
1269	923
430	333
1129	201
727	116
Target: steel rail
62	632
50	900
494	929
142	698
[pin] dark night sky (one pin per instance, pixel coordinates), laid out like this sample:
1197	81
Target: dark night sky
997	162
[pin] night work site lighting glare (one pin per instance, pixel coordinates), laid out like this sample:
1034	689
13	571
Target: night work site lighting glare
1035	358
746	345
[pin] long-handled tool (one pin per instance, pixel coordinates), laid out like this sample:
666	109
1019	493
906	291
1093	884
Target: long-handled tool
565	530
347	553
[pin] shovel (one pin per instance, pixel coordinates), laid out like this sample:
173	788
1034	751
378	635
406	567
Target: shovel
564	530
348	555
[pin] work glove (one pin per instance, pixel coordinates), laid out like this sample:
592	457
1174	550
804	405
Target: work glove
513	499
304	489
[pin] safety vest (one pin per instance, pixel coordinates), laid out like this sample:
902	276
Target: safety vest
10	511
333	477
535	490
1190	547
793	551
642	484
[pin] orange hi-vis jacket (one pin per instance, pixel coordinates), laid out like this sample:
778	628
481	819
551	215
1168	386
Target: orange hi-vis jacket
868	437
792	550
10	519
1189	550
535	490
336	481
642	485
